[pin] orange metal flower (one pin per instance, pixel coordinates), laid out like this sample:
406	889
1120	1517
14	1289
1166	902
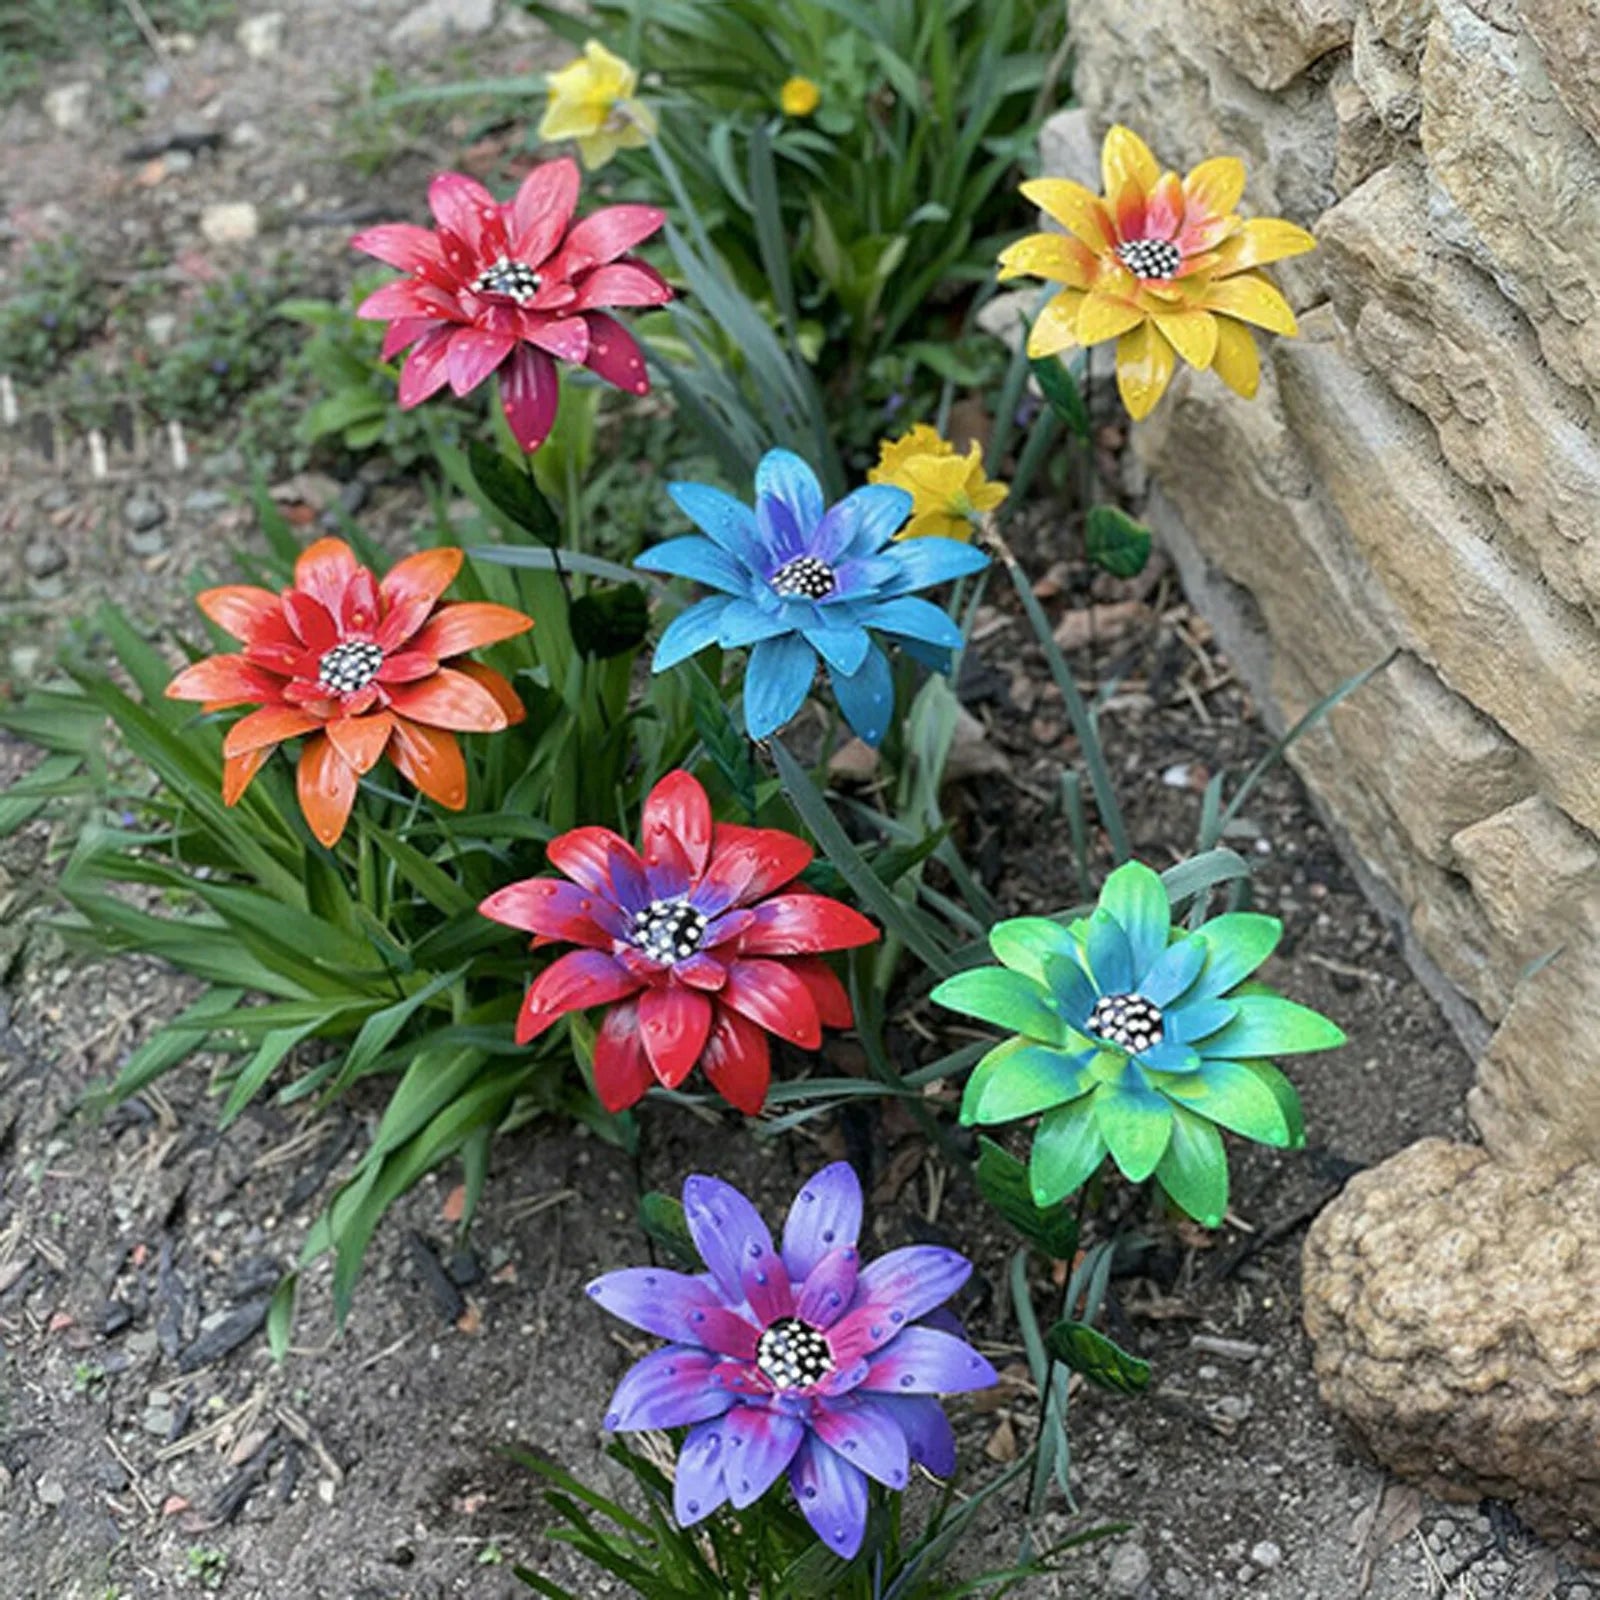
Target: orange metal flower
1165	266
359	669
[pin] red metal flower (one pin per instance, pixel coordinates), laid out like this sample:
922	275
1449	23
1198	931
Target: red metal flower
361	669
511	288
702	955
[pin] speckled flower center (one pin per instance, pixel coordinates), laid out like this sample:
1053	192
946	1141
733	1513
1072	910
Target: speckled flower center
515	279
804	578
349	666
791	1355
1150	258
1128	1020
669	930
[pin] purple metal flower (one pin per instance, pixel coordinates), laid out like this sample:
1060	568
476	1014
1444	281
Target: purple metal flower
800	1358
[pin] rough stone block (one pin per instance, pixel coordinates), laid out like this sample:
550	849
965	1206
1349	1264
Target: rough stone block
1451	1302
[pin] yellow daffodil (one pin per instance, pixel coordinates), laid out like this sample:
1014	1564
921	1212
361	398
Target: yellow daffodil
592	101
1164	266
949	493
799	97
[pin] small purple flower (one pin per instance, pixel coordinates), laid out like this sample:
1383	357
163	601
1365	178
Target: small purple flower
798	1358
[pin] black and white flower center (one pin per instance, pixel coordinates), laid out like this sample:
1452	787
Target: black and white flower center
793	1355
349	666
804	578
514	279
1128	1020
1150	258
669	930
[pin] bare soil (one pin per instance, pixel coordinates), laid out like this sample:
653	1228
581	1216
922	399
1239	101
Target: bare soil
148	1445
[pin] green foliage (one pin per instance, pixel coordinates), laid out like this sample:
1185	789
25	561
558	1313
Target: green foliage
1003	1181
769	1549
1101	1360
1116	542
34	32
53	303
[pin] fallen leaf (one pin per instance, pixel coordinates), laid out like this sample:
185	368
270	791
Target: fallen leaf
455	1204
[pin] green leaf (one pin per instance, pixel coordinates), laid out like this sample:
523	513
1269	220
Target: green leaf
1066	1151
1116	542
1025	943
280	1316
1194	1170
1099	1359
1061	390
1003	1181
663	1220
513	493
610	622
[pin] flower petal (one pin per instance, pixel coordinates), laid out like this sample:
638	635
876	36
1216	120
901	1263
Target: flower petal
696	558
614	354
602	862
1125	160
921	563
802	924
828	1287
1269	1025
621	1068
1106	316
1236	943
866	1437
677	808
1035	1078
361	740
690	632
832	1496
577	981
737	1061
675	1023
605	234
749	863
727	522
925	1361
866	696
825	1216
430	758
557	910
499	686
1145	364
782	477
1250	298
759	1445
411	588
448	699
622	283
427	368
1135	1122
916	618
473	354
529	395
668	1389
1067	1148
657	1300
929	1437
269	726
776	681
243	610
326	785
1237	361
1052	256
237	771
541	210
462	205
1192	332
1055	329
698	1488
1007	999
225	681
1261	240
323	571
468	625
1214	188
774	998
729	1234
1076	208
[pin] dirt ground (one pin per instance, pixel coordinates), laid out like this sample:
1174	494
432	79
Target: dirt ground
148	1445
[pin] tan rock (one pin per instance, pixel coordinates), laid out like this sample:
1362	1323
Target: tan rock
1386	76
1451	1304
1273	41
1448	342
230	222
1494	633
1523	173
1533	870
1364	144
1537	1097
1401	24
1568	35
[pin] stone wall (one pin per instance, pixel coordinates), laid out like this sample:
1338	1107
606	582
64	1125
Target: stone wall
1420	472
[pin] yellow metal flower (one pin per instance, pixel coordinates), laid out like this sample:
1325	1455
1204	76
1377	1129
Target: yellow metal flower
1164	266
949	493
592	101
799	97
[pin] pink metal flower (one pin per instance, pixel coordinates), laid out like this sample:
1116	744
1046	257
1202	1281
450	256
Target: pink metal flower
512	289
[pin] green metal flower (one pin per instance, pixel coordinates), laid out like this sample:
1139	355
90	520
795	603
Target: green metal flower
1139	1038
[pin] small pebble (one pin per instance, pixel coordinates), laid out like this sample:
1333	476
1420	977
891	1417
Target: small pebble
1266	1555
42	557
143	511
1130	1567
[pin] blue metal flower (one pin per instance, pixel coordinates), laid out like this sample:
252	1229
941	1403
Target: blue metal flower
798	1358
796	581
